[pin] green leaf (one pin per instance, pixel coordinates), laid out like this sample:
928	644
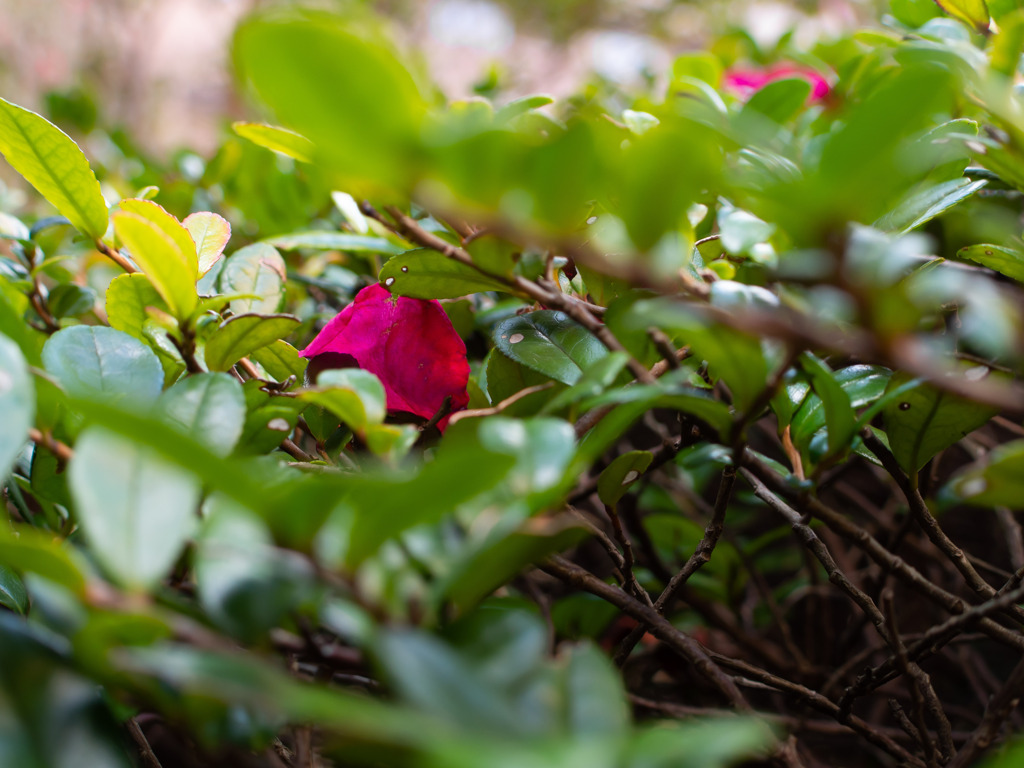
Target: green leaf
334	241
521	106
239	335
257	269
1006	261
426	274
595	699
926	420
127	299
289	143
741	231
17	404
171	270
542	447
833	400
28	550
69	300
52	163
211	234
135	508
353	395
90	361
923	206
996	480
914	13
170	226
280	359
12	591
210	407
863	384
501	556
340	85
549	342
974	13
595	380
614	482
779	101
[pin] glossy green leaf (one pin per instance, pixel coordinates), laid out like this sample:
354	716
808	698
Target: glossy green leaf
209	406
12	591
290	143
863	385
595	380
17	404
52	163
95	361
834	402
549	342
241	334
257	269
426	274
779	101
1006	261
334	241
67	300
925	420
923	206
135	508
171	270
210	233
353	395
615	480
594	694
280	359
128	296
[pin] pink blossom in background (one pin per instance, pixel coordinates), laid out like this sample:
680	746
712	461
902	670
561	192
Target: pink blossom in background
745	82
409	344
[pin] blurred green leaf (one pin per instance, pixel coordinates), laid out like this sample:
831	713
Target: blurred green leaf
1006	261
924	205
290	143
52	163
974	13
67	300
28	550
135	508
355	396
12	591
240	334
997	480
17	404
334	241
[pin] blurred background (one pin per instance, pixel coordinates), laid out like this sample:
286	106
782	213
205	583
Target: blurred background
161	68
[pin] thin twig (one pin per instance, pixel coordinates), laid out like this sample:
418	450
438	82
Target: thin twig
142	743
998	709
115	257
62	451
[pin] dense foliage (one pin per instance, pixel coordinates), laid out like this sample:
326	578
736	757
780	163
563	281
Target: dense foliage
709	453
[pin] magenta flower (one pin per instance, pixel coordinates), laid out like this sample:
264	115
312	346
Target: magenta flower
745	82
409	344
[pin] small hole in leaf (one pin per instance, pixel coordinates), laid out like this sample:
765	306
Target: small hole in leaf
389	281
279	425
515	338
904	406
405	269
592	219
630	477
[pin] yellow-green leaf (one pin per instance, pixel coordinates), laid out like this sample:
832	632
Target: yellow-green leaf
210	233
289	143
161	259
240	335
127	299
52	163
170	226
971	12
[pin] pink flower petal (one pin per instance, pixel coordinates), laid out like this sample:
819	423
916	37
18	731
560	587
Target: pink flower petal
743	83
409	344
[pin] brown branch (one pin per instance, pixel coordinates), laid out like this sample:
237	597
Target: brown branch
115	257
148	755
998	709
700	556
63	452
657	625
